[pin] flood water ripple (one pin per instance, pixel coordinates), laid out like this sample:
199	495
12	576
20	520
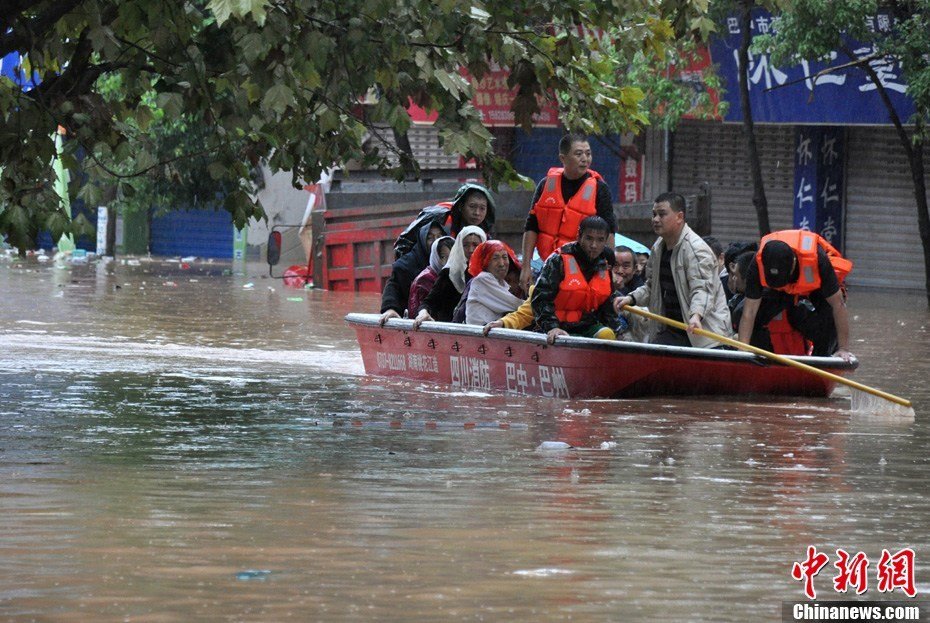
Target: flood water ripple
175	446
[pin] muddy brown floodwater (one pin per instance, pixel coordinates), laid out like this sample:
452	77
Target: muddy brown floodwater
170	450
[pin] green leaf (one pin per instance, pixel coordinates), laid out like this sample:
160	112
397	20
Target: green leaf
253	46
480	14
216	170
454	83
222	9
278	98
171	104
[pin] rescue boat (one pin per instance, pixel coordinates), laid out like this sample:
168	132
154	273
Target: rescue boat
523	363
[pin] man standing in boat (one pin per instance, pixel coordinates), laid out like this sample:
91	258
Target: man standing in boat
574	292
805	266
682	280
563	198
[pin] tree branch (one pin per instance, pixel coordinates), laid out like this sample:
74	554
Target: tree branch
883	94
23	37
828	71
160	163
12	12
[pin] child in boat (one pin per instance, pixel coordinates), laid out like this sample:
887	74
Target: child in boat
641	260
489	295
447	291
438	255
734	250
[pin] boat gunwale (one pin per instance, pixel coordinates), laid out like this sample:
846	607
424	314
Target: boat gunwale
589	344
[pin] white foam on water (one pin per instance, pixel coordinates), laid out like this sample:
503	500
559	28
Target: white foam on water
726	481
544	572
65	353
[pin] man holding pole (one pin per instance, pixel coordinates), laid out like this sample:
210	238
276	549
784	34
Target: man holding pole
682	281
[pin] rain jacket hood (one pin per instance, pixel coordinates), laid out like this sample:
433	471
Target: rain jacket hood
488	224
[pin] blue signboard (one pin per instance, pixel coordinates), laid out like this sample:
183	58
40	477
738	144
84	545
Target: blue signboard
789	94
11	67
820	182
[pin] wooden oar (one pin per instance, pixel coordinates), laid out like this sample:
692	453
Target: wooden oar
779	358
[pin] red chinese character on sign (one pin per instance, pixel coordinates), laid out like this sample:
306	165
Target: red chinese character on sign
851	572
897	571
630	179
808	569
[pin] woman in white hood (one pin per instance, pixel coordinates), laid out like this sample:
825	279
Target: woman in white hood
446	293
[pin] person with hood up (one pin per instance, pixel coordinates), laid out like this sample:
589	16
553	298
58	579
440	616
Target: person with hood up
396	291
489	295
438	256
473	204
447	291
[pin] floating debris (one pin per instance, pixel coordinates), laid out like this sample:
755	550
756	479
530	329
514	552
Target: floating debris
253	574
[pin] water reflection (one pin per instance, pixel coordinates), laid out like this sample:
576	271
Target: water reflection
158	440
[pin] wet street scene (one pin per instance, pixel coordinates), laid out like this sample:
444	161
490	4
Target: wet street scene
424	311
192	444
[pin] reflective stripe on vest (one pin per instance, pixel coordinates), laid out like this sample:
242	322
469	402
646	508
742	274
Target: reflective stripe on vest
804	244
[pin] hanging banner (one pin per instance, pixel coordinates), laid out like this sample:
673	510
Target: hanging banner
103	216
790	95
820	182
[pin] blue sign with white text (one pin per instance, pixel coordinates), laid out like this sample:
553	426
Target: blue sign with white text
790	94
820	182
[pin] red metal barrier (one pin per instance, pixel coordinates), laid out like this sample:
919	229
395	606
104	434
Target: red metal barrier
356	245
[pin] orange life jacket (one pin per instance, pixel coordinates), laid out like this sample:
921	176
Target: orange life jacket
558	220
577	295
786	340
804	244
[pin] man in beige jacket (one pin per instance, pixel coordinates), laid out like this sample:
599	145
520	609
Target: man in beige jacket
682	280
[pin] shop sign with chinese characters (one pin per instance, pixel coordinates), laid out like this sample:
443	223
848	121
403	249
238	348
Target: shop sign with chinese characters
790	95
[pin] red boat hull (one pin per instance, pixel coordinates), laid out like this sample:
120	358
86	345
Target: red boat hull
521	362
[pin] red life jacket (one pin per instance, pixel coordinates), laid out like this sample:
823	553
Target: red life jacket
558	220
577	295
786	340
804	244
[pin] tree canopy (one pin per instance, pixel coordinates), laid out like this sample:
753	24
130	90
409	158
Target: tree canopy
280	81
